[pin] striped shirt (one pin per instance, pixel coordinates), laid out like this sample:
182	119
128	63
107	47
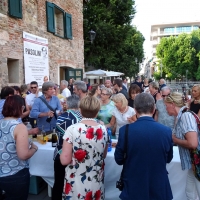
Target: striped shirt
185	123
63	122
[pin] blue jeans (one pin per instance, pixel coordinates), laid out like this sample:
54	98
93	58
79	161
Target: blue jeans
16	186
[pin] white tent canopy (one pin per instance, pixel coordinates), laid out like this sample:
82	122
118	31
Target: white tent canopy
101	73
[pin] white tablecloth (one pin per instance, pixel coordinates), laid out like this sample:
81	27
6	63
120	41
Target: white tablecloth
41	164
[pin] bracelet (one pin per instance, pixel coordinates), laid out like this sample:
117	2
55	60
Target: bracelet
34	148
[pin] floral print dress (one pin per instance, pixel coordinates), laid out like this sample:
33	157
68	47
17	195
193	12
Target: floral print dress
84	176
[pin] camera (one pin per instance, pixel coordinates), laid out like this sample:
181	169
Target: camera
120	185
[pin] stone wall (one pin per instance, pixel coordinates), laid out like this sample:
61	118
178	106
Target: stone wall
62	52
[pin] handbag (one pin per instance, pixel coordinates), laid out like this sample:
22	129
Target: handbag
48	106
120	183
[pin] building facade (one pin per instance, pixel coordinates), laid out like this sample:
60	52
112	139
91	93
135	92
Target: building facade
158	31
59	21
170	29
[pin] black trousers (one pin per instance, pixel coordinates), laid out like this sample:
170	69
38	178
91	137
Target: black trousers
59	175
16	186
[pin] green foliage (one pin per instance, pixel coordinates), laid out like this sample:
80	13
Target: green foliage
117	44
179	54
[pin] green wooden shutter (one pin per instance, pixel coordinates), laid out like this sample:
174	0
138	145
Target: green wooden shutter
68	26
50	17
15	8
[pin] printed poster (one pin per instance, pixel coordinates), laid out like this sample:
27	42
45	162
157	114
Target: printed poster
36	61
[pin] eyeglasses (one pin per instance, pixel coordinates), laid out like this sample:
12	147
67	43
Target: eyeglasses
104	94
34	87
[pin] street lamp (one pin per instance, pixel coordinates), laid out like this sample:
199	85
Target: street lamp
92	35
186	76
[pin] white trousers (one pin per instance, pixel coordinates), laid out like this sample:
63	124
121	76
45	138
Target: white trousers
192	187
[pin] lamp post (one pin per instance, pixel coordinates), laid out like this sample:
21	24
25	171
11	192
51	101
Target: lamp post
92	35
186	76
161	69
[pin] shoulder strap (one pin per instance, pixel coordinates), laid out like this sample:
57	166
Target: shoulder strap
125	148
48	106
195	116
126	142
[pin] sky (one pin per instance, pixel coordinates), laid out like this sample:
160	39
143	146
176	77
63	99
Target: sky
163	11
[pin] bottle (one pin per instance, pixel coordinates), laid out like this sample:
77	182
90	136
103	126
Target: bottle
109	139
34	126
28	126
54	139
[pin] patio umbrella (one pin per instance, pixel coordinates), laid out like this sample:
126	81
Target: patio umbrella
112	73
98	72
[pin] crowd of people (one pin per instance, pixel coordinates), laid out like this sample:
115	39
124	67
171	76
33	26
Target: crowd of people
81	114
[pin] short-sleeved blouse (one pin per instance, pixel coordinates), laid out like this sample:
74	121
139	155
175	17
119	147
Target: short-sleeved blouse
85	174
185	123
105	112
121	118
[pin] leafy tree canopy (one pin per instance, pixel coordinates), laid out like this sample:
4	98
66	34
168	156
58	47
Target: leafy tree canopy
117	46
179	54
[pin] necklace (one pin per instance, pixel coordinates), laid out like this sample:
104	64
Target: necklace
123	111
88	119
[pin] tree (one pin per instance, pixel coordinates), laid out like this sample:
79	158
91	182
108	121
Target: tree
179	54
111	19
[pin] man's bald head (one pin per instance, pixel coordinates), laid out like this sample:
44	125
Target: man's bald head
108	83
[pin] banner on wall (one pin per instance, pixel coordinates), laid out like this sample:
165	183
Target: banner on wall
36	61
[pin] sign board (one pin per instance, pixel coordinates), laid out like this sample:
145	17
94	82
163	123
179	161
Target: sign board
36	61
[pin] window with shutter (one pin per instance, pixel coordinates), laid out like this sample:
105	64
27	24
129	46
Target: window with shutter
50	17
15	8
58	22
68	26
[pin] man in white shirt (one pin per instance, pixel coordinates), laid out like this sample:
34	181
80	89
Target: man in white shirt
30	98
64	87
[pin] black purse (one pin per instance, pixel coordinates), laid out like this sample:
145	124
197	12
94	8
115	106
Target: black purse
120	183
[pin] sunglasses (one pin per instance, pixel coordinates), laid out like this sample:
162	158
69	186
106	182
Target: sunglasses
165	95
34	87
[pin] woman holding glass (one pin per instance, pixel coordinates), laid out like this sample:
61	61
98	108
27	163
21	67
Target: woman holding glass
84	150
15	151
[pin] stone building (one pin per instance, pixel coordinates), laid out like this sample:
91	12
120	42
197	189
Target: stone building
59	21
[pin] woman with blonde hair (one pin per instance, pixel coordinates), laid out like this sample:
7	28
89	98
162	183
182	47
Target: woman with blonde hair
84	149
122	113
195	102
185	135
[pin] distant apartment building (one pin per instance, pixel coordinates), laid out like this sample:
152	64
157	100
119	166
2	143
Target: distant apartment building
55	24
158	31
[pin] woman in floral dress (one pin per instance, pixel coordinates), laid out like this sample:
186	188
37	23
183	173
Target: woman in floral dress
84	150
